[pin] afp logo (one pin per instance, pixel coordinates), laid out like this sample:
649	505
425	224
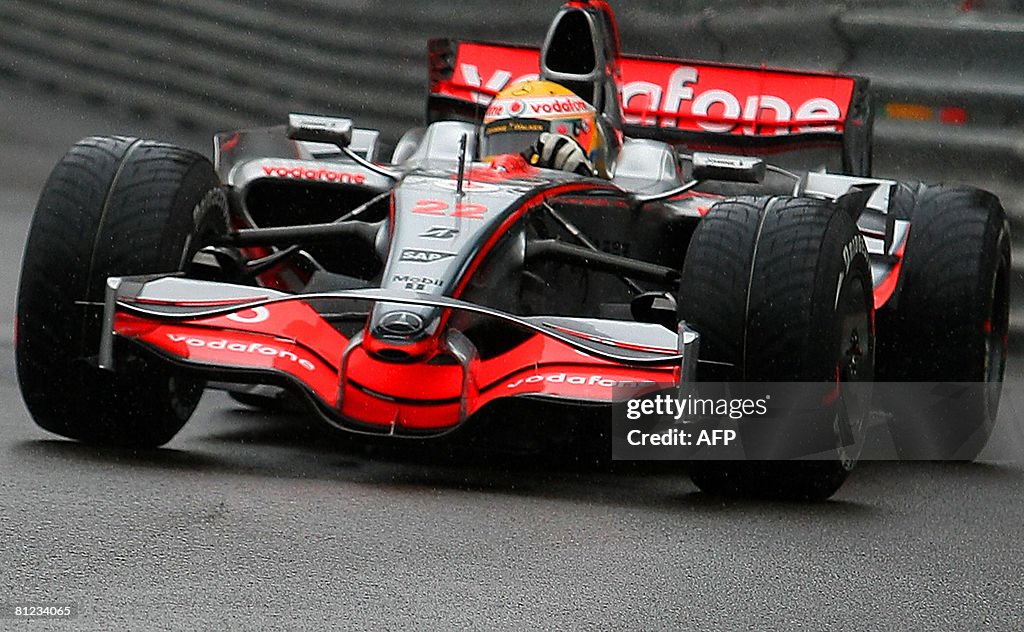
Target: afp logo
423	256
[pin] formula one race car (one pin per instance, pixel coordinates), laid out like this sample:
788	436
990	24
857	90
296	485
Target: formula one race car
457	283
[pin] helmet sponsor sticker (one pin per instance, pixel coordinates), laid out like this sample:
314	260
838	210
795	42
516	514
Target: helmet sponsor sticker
504	126
557	105
540	107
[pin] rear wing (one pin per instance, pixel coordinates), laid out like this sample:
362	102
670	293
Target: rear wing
703	105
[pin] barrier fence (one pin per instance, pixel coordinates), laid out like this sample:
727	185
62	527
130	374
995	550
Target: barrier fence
946	79
940	74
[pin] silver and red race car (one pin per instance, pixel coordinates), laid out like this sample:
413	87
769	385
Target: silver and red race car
435	290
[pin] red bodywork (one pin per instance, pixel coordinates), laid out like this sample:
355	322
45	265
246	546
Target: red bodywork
290	338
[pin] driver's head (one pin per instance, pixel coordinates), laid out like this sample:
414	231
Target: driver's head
520	113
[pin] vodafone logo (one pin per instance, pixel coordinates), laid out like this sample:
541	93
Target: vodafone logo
495	110
718	99
259	314
252	348
564	378
562	105
536	107
722	111
321	174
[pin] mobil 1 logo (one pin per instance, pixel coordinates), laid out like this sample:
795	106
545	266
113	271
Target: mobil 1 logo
417	283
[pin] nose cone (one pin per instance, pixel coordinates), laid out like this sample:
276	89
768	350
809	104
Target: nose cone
400	325
402	332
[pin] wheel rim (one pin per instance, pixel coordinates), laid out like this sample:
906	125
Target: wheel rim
997	327
853	364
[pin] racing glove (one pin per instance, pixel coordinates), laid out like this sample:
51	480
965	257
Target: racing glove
557	151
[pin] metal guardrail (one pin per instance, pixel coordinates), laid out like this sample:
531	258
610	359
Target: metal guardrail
221	64
218	64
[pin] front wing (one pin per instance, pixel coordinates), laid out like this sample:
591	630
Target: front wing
257	335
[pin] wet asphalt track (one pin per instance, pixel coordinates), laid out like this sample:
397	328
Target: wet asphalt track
253	521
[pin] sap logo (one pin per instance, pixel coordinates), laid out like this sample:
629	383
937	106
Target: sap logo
439	232
423	256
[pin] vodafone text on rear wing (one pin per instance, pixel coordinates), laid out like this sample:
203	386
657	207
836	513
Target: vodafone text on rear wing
701	105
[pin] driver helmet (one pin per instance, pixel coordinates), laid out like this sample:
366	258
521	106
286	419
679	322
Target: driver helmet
520	113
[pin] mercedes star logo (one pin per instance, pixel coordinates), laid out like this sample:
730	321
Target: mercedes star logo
400	323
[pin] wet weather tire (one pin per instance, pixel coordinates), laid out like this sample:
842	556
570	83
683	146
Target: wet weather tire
112	206
780	290
948	321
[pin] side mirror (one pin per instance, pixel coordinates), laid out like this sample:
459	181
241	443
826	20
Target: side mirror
728	168
655	307
320	129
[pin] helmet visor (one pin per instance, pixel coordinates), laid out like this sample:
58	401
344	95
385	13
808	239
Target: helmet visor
511	136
